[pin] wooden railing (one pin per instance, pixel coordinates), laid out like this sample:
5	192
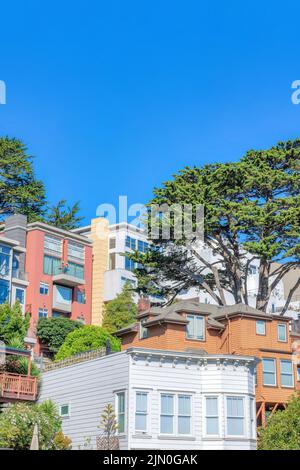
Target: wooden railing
17	387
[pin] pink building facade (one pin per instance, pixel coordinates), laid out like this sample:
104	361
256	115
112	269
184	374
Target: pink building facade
58	271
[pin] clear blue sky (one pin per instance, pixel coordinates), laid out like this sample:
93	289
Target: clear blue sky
113	97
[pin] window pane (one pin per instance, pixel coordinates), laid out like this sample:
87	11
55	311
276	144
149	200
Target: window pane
286	370
260	327
167	404
121	422
199	327
235	426
235	406
166	424
4	291
269	375
190	326
121	402
211	406
184	405
184	425
141	422
281	332
20	295
141	402
212	425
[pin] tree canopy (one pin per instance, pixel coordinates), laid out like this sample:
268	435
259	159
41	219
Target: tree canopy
52	332
64	216
282	431
121	311
87	338
13	324
251	212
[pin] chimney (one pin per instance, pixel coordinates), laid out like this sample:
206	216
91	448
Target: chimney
143	304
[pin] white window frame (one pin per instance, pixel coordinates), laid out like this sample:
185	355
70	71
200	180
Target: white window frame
275	371
205	415
281	340
117	393
52	244
69	410
226	416
141	431
292	373
264	324
252	416
193	338
175	415
45	286
44	310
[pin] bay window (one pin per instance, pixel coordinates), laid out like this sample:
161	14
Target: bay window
141	411
235	417
212	416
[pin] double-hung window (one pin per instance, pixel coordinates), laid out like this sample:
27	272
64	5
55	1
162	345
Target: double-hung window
141	411
120	406
175	414
195	327
281	332
212	416
286	373
269	371
43	313
44	288
235	416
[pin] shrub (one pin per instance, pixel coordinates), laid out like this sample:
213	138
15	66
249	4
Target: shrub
87	338
120	312
52	332
13	324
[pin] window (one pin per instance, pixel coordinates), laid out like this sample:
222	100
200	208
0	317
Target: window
130	282
252	269
75	250
260	327
143	246
4	291
52	266
269	371
5	252
53	244
15	267
235	416
75	270
195	327
112	261
212	416
112	243
286	373
43	313
121	411
80	296
143	330
281	332
184	414
129	264
167	414
20	295
141	411
64	411
130	243
63	295
44	288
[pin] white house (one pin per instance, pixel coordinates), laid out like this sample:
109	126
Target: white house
162	399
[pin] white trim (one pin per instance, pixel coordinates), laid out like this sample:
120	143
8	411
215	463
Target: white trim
219	416
175	433
146	431
122	433
69	410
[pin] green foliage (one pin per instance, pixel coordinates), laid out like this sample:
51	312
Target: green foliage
52	332
87	338
63	216
20	191
252	204
120	312
17	423
282	431
13	325
109	423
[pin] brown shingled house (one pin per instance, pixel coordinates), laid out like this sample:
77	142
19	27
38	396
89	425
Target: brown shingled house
187	325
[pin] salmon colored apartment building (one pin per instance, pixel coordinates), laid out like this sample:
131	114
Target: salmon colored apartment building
191	327
56	271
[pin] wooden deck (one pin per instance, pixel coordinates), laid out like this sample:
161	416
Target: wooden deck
17	387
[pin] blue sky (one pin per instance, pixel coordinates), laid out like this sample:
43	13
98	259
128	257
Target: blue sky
114	97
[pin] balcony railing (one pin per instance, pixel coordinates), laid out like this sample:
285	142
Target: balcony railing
17	387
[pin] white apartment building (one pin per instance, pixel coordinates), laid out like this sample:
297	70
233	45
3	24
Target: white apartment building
162	399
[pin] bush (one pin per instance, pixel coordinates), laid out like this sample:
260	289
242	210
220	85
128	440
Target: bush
17	423
13	324
282	431
121	311
87	338
52	332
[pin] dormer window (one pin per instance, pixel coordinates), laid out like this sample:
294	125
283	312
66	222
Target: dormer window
195	327
143	329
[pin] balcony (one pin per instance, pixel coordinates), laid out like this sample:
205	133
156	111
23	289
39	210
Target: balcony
68	280
17	387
